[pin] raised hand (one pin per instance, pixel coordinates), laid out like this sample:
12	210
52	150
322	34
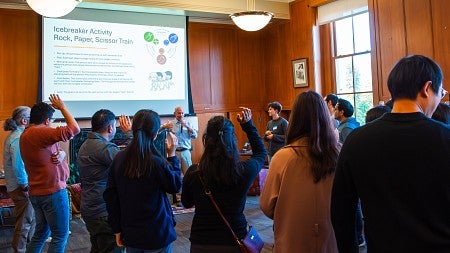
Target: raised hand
125	123
56	102
171	144
245	115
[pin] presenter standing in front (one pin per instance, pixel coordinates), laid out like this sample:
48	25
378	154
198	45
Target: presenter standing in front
184	132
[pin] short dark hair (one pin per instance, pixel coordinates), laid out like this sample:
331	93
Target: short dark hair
346	106
410	74
442	113
40	112
275	105
101	120
333	98
376	112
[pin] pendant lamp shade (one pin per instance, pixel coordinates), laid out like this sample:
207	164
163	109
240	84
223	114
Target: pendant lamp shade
53	8
251	20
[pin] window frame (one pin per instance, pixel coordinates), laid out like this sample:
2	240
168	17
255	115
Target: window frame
335	57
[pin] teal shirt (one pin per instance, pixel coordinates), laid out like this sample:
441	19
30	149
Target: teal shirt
13	165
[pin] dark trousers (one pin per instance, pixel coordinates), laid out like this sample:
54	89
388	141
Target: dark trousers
25	222
101	235
359	221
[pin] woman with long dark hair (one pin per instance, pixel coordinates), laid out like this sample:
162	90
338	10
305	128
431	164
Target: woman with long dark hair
297	191
136	195
228	178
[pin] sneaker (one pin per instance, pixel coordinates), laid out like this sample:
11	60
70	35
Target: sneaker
361	241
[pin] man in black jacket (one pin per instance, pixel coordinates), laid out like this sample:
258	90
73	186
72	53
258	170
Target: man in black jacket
399	167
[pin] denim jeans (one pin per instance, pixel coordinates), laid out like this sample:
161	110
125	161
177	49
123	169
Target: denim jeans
166	249
52	214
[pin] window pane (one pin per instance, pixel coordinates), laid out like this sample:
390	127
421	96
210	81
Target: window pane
344	75
362	32
364	102
344	36
349	97
363	72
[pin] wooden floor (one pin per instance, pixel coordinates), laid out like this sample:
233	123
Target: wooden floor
79	239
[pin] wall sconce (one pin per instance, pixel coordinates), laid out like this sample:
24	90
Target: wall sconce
53	8
251	20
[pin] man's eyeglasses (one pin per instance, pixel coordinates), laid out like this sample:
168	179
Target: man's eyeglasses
443	93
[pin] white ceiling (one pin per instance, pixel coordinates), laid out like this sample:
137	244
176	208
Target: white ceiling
209	9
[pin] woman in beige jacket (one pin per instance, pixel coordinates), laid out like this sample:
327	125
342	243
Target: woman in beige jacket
297	191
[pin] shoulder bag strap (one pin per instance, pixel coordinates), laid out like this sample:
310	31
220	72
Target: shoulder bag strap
209	194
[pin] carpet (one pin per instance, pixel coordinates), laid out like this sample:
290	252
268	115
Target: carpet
181	210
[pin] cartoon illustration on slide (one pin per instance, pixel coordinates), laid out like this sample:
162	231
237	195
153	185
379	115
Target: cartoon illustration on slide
162	44
160	81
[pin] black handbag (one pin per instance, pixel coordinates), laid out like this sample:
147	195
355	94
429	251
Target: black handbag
251	243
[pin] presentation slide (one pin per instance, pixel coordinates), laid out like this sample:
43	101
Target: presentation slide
115	60
107	61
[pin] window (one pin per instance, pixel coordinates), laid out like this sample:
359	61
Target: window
352	62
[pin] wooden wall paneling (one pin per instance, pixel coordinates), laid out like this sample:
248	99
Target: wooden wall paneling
277	64
327	73
260	120
441	37
375	53
272	62
250	83
419	28
199	66
391	34
302	23
316	3
20	59
224	65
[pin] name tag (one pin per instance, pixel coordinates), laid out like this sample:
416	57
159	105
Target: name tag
274	128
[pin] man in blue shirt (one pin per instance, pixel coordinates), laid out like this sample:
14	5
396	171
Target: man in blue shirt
184	132
17	179
94	158
343	113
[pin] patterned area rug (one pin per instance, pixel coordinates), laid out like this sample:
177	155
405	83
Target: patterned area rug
181	210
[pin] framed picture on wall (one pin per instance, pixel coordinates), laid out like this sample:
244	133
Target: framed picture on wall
300	72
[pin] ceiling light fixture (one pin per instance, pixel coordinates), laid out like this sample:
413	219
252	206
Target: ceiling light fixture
53	8
251	20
